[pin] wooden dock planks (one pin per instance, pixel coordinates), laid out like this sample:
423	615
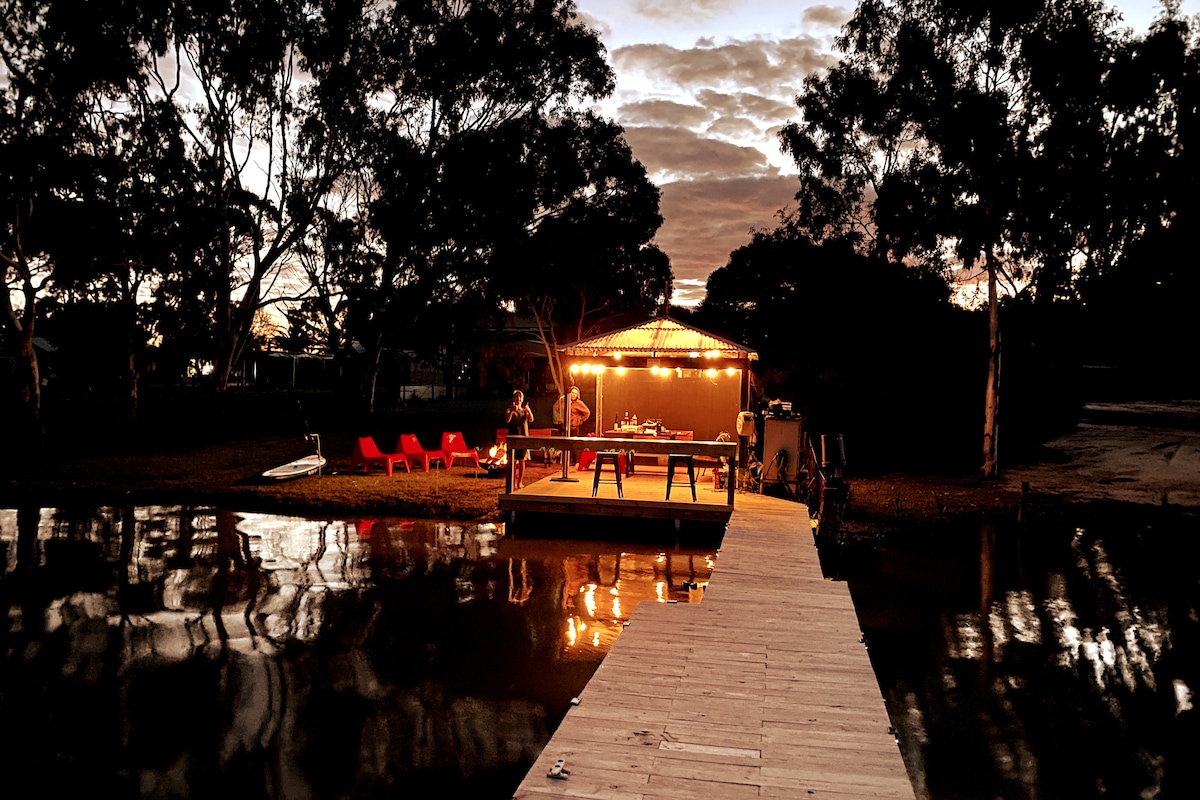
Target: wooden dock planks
763	689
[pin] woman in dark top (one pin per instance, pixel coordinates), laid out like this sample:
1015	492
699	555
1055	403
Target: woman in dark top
517	418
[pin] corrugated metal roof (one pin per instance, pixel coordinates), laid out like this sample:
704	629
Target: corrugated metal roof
658	337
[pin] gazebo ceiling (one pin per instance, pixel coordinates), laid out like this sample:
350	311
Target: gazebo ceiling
660	337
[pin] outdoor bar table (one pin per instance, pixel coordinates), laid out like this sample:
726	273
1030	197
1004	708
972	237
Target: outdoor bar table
588	456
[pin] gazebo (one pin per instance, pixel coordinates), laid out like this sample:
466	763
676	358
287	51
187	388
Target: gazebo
665	370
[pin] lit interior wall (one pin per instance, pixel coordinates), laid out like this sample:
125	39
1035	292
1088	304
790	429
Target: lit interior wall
695	401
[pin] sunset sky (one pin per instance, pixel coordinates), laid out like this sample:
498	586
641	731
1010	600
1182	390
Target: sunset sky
703	88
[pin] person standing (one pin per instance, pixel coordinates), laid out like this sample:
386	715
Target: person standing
579	412
517	418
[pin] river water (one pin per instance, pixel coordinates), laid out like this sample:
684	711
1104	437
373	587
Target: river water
177	652
1038	662
195	652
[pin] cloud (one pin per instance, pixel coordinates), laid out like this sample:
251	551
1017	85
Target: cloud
765	66
664	112
745	103
705	119
708	218
832	16
694	9
682	154
734	128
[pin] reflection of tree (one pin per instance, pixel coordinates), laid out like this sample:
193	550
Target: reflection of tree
444	669
1050	663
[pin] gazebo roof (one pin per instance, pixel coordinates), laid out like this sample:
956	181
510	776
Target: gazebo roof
661	336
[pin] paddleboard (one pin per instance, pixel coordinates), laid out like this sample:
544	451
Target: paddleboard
296	469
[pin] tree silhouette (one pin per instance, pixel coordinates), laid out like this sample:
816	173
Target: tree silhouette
1019	136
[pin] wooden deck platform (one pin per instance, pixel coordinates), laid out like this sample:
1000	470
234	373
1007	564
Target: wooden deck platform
644	495
763	689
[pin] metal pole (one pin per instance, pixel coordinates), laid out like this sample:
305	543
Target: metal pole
566	453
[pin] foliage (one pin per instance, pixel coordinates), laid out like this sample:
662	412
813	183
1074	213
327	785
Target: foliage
862	346
372	169
68	155
1028	137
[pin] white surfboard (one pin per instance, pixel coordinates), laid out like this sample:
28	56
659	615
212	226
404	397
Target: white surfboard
296	469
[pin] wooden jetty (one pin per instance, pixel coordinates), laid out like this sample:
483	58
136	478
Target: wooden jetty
762	689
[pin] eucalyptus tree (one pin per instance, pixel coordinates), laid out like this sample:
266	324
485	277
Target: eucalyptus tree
127	219
589	260
65	71
475	146
265	154
862	343
967	132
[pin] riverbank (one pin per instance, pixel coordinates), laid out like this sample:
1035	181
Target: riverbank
1122	459
1121	456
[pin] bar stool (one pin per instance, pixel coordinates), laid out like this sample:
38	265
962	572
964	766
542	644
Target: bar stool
686	460
609	457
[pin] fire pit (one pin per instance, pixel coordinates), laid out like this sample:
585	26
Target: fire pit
497	459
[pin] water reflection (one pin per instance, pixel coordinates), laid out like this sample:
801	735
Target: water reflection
1039	663
159	651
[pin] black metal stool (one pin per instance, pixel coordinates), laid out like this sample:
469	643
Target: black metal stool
677	458
607	457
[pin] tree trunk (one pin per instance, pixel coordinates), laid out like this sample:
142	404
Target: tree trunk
20	325
992	394
131	409
369	379
30	382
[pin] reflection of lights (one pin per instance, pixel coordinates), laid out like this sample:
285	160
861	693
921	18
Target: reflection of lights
589	598
1183	697
969	643
571	631
659	586
596	639
616	607
1017	619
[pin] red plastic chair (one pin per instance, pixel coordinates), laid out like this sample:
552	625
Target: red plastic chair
367	455
410	446
454	446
